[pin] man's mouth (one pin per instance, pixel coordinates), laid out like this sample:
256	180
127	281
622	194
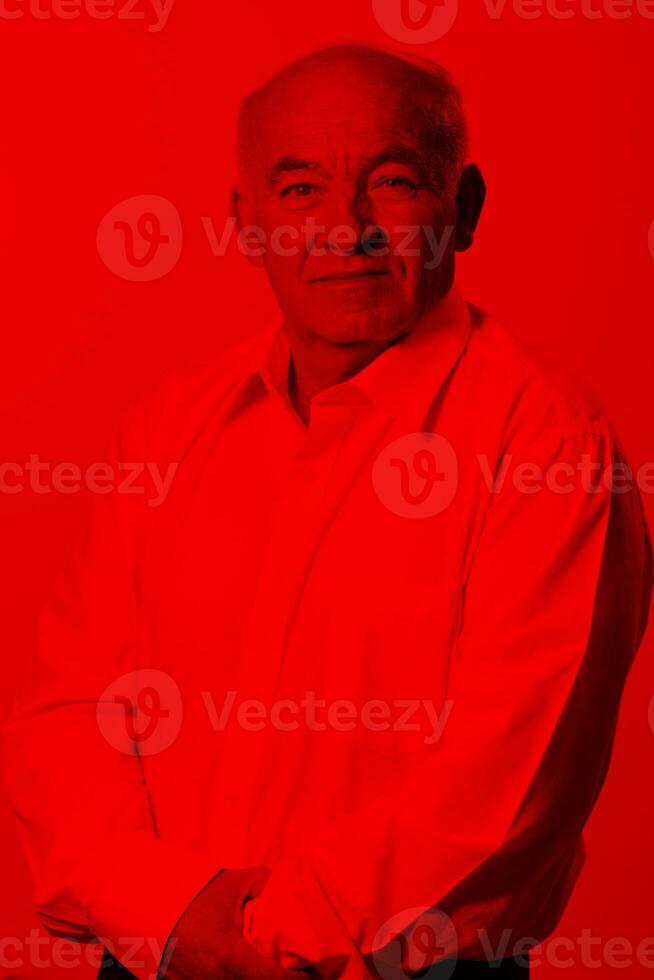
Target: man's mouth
351	276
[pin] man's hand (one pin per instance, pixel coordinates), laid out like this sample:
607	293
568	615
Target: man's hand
208	943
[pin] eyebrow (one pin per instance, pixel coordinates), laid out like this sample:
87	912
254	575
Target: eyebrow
397	153
289	164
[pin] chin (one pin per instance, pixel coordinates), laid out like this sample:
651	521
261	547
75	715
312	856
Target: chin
362	327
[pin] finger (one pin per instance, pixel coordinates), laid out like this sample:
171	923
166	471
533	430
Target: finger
257	881
249	964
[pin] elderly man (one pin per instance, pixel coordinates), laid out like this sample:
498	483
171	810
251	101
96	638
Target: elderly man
343	704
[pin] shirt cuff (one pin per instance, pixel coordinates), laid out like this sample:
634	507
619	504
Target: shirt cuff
138	892
293	922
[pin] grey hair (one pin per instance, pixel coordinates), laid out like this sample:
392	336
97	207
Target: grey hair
439	103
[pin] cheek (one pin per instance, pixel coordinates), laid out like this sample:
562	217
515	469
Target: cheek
285	245
411	228
409	251
421	241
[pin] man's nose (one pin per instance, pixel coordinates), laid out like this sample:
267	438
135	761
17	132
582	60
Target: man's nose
347	221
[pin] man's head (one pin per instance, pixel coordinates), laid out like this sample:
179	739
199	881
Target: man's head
352	165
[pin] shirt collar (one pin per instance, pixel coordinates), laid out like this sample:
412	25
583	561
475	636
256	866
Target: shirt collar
404	380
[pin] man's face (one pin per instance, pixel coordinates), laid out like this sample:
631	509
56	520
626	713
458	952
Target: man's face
338	155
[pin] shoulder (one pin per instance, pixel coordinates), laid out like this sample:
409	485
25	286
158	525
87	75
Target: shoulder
524	392
168	415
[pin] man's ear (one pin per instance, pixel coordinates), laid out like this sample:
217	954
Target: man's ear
242	210
470	197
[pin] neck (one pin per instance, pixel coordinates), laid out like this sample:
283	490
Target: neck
316	365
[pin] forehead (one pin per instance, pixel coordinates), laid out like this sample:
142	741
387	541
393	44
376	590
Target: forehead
338	115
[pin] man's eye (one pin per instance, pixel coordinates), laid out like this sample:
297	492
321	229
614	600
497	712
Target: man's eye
298	190
300	195
394	188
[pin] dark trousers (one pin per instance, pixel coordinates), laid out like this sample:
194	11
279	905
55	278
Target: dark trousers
111	968
447	970
472	969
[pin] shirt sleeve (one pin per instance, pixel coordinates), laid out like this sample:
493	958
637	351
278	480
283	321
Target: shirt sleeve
488	829
100	867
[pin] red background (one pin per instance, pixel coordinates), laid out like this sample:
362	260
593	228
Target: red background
99	111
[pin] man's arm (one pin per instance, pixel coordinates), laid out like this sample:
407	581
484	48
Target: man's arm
101	869
553	611
207	943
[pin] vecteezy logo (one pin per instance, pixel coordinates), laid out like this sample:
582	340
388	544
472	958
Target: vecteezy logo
417	475
140	712
415	21
409	943
140	239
